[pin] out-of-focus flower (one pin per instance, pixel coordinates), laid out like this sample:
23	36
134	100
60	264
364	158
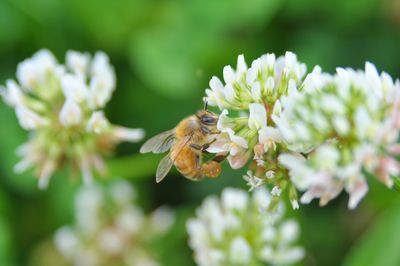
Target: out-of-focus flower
242	230
61	106
351	124
110	229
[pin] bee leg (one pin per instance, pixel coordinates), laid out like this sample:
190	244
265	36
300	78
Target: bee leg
219	158
196	146
207	145
198	166
205	130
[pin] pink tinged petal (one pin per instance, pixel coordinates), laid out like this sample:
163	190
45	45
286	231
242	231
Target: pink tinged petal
70	114
358	192
238	160
388	167
220	145
268	135
257	117
310	194
237	140
394	149
258	151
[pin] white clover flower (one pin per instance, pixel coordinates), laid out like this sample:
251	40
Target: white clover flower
61	106
234	231
351	125
110	229
251	102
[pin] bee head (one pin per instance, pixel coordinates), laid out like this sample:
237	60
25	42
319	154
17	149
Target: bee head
207	118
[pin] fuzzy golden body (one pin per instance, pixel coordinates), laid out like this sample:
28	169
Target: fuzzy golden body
187	142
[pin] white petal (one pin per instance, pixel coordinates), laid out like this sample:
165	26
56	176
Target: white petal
241	65
12	93
70	114
240	251
270	85
45	174
229	75
257	117
78	62
277	110
358	192
98	123
128	134
28	119
66	241
256	91
73	87
237	140
289	231
234	199
229	93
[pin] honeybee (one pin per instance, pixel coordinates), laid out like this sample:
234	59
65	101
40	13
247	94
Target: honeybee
186	144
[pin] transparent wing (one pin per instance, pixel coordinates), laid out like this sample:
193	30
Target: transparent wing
180	145
167	162
159	143
163	168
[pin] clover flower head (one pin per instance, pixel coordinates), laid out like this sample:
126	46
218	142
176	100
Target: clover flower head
110	229
61	106
240	230
250	100
351	126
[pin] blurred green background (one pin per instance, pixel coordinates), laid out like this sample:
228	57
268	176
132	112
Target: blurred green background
164	53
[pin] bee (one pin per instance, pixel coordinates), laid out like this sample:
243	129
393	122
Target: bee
186	144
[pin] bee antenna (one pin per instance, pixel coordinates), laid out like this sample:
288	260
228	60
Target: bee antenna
205	105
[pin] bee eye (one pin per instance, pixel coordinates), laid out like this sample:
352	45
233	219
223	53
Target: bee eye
208	120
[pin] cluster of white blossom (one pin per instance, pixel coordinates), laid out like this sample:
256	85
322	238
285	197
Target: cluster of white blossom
351	125
314	132
110	229
61	106
241	230
250	103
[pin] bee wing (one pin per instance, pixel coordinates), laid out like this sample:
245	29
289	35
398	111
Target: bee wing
163	168
167	162
159	143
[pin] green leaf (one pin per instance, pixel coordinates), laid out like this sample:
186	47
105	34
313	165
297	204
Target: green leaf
381	243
